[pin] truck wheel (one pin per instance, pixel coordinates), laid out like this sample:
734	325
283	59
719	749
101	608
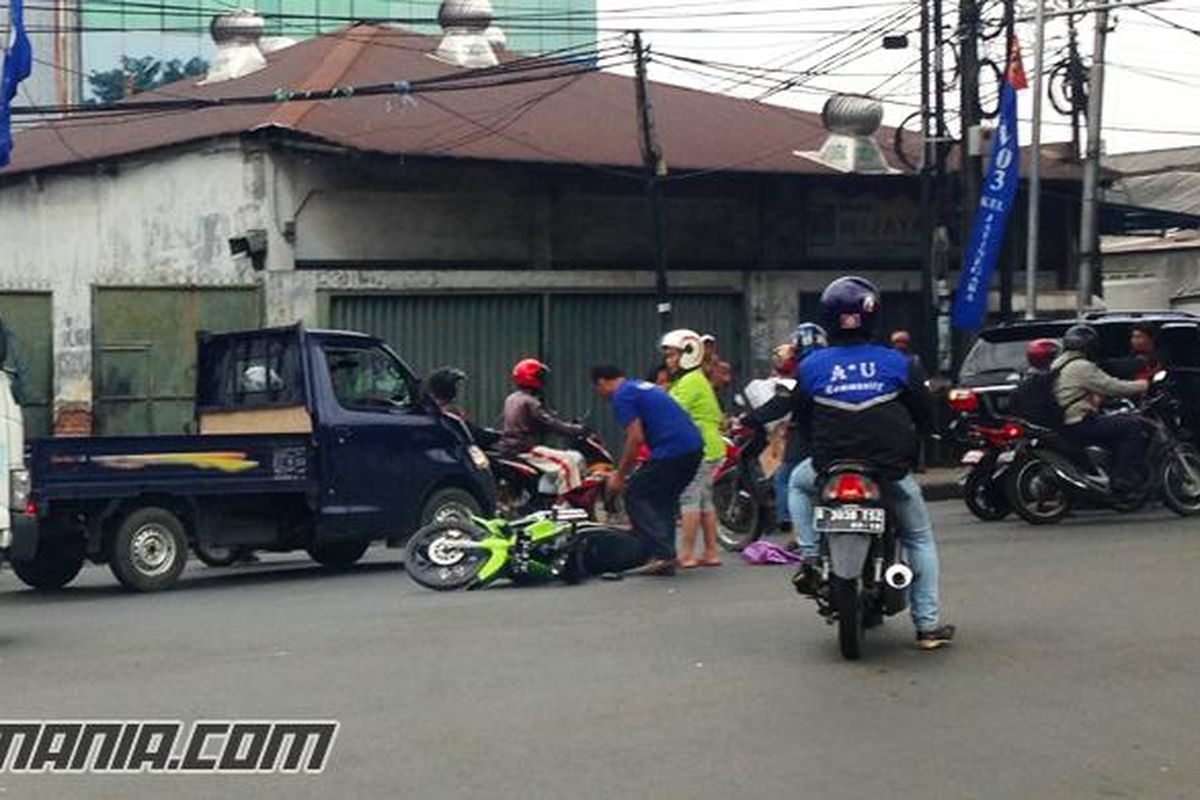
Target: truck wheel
52	567
337	555
149	550
447	503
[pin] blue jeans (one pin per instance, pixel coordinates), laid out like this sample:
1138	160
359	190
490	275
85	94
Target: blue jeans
783	476
913	530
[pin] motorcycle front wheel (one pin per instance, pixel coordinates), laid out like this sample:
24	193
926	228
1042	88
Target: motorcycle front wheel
848	607
739	515
984	498
1181	482
434	559
1034	492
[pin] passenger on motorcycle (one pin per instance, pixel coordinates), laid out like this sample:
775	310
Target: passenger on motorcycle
683	352
808	338
1040	354
441	391
1080	390
866	402
527	422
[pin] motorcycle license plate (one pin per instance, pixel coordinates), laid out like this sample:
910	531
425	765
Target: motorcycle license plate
848	519
972	457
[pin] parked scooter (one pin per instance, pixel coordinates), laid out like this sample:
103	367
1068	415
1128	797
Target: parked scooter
863	577
1049	474
744	498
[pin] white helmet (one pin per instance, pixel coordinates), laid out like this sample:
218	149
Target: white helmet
689	345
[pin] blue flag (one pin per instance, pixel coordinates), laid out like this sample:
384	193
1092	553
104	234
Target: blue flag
18	63
991	220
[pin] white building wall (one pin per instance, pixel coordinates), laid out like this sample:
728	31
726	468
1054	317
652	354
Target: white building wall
158	221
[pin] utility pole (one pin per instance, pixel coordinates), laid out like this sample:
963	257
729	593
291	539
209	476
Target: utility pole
972	157
656	170
1008	265
1035	163
1089	239
927	167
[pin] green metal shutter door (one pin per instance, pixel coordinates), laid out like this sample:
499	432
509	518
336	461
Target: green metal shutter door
31	354
145	352
481	334
623	329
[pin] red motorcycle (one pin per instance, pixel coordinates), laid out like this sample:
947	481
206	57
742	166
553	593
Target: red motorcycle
743	496
522	489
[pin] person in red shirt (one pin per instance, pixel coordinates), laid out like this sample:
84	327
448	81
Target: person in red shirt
1143	343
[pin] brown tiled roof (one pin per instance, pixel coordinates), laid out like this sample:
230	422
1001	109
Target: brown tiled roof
584	119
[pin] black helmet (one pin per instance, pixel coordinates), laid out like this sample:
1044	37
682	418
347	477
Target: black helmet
850	306
1082	339
442	383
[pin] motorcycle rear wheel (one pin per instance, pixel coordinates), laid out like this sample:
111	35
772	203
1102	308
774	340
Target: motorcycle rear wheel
1035	493
739	514
984	498
848	607
432	561
1180	492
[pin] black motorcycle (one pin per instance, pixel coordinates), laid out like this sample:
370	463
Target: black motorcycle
1049	474
863	577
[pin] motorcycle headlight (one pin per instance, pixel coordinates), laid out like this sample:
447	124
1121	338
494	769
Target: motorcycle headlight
18	489
478	457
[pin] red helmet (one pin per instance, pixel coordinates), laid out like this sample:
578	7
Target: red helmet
1040	353
529	373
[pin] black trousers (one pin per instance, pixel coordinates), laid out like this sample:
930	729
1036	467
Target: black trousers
1123	435
652	501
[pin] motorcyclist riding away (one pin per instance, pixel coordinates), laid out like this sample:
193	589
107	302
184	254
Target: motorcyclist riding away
527	422
866	402
1080	389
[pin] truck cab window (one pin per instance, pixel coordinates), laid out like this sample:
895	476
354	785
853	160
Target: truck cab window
368	379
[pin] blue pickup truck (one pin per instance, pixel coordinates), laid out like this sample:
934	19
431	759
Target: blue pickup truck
313	440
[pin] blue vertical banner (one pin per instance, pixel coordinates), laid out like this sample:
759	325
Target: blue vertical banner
991	220
18	63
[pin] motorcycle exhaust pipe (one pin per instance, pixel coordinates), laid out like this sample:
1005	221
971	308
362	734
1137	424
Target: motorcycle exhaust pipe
1066	477
898	576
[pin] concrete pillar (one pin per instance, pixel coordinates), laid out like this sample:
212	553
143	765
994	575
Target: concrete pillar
71	308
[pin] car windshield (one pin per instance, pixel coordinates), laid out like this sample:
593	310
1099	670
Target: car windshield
368	377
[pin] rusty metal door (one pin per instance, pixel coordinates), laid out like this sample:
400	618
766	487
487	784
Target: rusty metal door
145	352
27	317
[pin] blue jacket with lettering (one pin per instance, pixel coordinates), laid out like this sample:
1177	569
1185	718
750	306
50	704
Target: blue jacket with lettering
863	402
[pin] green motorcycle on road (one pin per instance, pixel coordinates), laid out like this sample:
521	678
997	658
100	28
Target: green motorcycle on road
559	544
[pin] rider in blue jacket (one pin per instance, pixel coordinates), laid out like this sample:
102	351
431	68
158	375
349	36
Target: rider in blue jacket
866	402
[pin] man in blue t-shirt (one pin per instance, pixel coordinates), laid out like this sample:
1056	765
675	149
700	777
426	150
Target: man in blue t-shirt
652	418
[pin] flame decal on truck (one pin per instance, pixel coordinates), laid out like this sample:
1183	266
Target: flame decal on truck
222	461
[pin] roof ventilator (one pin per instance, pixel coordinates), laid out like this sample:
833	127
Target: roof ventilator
237	36
852	120
468	34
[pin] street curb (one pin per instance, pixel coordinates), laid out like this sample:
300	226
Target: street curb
941	490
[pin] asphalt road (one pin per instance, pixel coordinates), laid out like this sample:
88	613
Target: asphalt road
1075	676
